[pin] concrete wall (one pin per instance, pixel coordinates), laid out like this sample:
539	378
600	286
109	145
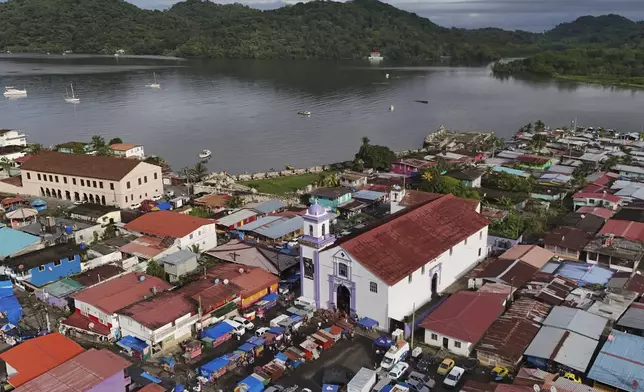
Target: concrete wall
464	350
101	260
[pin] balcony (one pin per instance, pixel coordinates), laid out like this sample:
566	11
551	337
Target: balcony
162	334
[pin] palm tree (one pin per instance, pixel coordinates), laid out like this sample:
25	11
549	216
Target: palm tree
539	126
365	141
235	202
35	149
331	180
199	171
609	163
5	164
505	201
537	143
98	142
428	175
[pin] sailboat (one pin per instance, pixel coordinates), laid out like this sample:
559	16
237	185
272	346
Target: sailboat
73	98
154	84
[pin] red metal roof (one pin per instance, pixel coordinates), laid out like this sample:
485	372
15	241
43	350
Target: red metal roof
161	309
601	196
211	295
152	387
508	338
625	229
250	281
120	292
465	315
592	188
144	247
408	240
81	373
414	198
167	224
79	321
601	212
36	356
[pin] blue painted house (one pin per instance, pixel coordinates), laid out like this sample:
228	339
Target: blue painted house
38	268
330	198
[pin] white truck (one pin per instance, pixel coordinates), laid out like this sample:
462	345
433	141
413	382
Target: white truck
363	381
396	353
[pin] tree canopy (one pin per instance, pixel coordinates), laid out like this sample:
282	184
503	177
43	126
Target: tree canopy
374	156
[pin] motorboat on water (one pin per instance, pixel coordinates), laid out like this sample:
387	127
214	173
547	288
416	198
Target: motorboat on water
71	98
154	84
14	92
391	108
205	154
375	57
304	113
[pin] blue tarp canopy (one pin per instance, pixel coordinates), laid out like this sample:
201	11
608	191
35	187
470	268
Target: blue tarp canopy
6	288
12	308
132	343
386	388
164	205
330	388
367	322
217	331
276	330
151	378
255	341
213	366
282	357
246	347
270	297
253	384
38	202
383	341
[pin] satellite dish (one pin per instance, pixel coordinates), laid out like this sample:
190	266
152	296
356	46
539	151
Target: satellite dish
536	388
553	389
217	281
50	268
141	278
91	325
225	281
241	270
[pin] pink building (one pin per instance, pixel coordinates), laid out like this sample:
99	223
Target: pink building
410	166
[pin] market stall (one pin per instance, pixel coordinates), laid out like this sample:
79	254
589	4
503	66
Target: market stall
217	334
191	349
135	347
252	383
258	343
214	369
321	340
310	349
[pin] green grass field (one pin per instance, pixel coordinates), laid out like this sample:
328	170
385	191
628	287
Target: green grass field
282	185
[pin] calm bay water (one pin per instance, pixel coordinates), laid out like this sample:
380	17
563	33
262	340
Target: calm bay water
246	111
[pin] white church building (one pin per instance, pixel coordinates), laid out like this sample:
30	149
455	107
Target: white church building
387	269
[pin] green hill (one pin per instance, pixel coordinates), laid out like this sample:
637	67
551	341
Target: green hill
319	29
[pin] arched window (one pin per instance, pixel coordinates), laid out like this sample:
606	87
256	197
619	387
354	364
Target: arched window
323	229
311	230
103	200
42	191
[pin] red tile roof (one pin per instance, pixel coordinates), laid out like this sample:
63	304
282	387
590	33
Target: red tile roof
465	315
593	188
36	356
81	165
534	255
22	159
410	239
167	224
15	181
123	146
120	292
414	198
161	309
601	212
625	229
81	373
601	196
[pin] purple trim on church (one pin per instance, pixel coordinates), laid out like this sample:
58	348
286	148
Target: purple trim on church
319	242
334	283
302	278
315	219
316	282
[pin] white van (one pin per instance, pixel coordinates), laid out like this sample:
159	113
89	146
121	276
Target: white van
238	329
396	353
303	301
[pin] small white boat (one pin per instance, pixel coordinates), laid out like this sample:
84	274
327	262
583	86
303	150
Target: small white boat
205	154
391	108
117	54
72	98
14	92
154	84
386	76
304	113
375	57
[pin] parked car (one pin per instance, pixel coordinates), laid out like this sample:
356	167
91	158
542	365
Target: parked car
238	329
246	323
419	382
398	370
169	193
157	197
499	373
135	206
423	364
445	366
261	331
572	377
453	377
